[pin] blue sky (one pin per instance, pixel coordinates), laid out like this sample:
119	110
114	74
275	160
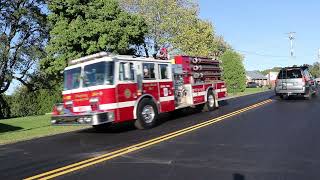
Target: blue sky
261	26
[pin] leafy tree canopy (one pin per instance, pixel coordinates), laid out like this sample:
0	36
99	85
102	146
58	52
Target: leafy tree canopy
80	28
23	35
176	24
233	71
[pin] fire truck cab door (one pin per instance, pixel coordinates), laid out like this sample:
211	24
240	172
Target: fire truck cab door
126	89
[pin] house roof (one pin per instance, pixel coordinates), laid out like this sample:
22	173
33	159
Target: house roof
255	75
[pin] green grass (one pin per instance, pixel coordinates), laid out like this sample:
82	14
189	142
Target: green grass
249	91
25	128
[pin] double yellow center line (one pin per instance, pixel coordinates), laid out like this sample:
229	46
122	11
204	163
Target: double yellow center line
92	161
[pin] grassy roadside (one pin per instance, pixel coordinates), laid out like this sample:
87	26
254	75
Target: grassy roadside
249	91
25	128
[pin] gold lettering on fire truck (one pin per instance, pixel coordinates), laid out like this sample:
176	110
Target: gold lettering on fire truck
67	98
150	86
81	97
98	93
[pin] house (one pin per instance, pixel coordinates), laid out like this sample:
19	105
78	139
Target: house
272	77
255	76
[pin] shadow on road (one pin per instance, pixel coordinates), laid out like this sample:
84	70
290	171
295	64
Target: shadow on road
237	176
129	126
7	128
294	98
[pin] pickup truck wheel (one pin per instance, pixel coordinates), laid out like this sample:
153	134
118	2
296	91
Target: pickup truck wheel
147	114
210	105
281	96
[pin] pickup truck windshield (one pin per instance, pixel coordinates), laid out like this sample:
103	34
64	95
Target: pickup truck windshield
98	74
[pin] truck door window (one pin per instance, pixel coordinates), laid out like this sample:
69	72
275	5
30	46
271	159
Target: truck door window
163	71
126	71
148	71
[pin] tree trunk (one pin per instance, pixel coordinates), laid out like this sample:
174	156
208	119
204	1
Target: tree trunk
146	49
4	108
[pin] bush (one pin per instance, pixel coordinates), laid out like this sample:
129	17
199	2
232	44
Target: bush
233	71
25	103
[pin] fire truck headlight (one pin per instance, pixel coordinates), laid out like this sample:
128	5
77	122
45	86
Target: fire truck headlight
69	103
59	107
88	119
110	116
94	100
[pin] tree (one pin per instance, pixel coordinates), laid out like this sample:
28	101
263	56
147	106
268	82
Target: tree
23	35
176	24
81	28
233	71
315	69
274	69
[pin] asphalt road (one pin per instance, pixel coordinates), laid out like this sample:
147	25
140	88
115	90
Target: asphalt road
275	141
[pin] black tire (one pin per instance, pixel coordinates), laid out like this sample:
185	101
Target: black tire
147	114
281	97
309	96
209	105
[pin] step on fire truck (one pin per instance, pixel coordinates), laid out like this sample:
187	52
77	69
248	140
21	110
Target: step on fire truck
102	89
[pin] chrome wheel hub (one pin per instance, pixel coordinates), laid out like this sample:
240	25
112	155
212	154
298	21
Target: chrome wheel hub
148	114
211	100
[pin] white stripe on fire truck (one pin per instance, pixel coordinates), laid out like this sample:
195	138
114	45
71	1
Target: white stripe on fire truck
117	105
81	108
221	90
167	98
93	88
195	94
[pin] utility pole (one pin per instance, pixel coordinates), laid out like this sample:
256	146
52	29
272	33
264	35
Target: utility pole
291	38
319	62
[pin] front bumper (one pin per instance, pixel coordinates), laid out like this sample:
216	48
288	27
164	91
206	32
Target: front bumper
92	118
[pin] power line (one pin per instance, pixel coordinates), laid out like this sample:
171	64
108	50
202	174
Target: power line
270	55
262	54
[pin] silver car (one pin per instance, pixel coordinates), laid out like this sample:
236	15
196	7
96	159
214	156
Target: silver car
295	81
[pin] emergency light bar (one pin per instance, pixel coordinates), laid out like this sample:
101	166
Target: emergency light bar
88	58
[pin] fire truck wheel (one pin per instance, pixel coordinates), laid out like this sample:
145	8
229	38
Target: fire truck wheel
210	105
147	114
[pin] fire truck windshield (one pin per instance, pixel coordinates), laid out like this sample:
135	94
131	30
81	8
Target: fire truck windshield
98	74
72	78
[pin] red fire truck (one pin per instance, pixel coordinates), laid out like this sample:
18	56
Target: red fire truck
103	88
